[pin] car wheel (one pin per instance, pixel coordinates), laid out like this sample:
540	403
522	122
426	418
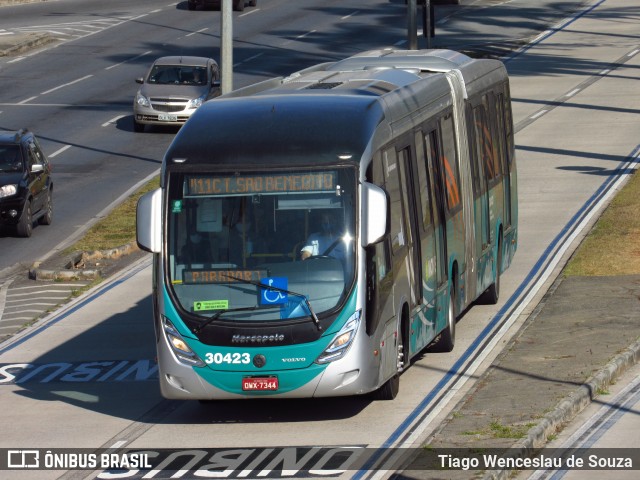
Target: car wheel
191	5
25	224
239	6
253	3
48	209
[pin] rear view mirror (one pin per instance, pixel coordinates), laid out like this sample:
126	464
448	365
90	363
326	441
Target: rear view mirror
149	221
374	218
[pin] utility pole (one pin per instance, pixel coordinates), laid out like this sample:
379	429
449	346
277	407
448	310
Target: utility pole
226	46
428	22
412	27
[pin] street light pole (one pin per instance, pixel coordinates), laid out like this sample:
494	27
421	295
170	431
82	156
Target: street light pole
412	27
226	46
428	22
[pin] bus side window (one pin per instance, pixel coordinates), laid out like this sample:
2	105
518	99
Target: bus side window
392	185
489	101
382	251
484	139
508	125
483	166
437	204
449	162
423	182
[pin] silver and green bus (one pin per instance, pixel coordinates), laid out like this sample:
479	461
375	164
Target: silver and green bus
312	234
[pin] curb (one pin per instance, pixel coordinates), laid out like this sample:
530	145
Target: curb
17	2
31	40
74	267
568	408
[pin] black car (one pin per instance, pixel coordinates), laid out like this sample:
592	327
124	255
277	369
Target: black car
26	186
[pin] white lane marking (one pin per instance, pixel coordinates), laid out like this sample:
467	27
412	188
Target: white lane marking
248	59
112	121
197	31
572	92
249	13
130	60
67	84
58	152
27	100
539	114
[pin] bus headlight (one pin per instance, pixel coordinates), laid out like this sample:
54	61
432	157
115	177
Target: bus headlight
342	341
179	347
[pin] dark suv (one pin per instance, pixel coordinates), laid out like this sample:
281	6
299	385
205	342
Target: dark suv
26	187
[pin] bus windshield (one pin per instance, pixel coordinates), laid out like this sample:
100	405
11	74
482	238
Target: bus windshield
262	245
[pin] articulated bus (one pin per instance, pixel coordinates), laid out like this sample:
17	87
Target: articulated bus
312	234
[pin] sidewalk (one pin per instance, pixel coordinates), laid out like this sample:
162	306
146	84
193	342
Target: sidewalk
580	338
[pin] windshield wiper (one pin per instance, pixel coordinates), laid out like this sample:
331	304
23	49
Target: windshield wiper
217	315
282	290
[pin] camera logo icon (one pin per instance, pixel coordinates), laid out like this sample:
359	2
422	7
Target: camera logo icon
23	459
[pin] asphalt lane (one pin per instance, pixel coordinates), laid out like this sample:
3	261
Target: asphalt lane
536	374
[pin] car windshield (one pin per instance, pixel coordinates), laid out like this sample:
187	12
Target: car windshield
292	231
177	75
10	159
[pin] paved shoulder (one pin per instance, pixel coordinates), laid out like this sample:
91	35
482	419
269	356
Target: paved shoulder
581	337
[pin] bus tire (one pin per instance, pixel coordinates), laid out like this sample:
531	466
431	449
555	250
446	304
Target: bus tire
492	294
389	390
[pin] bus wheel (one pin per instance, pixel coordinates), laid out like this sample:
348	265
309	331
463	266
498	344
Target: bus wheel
491	295
389	390
391	387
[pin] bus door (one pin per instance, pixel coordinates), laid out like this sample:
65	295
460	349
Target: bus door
425	324
410	210
481	164
437	202
501	137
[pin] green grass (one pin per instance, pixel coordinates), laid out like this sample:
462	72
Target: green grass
116	229
613	245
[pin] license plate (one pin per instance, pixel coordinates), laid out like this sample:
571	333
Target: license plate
163	117
259	384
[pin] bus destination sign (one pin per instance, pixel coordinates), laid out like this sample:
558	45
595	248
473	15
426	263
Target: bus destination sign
222	276
256	184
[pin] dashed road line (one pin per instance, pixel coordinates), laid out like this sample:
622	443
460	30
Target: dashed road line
59	151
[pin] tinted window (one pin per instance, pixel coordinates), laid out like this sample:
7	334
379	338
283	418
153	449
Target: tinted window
10	158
